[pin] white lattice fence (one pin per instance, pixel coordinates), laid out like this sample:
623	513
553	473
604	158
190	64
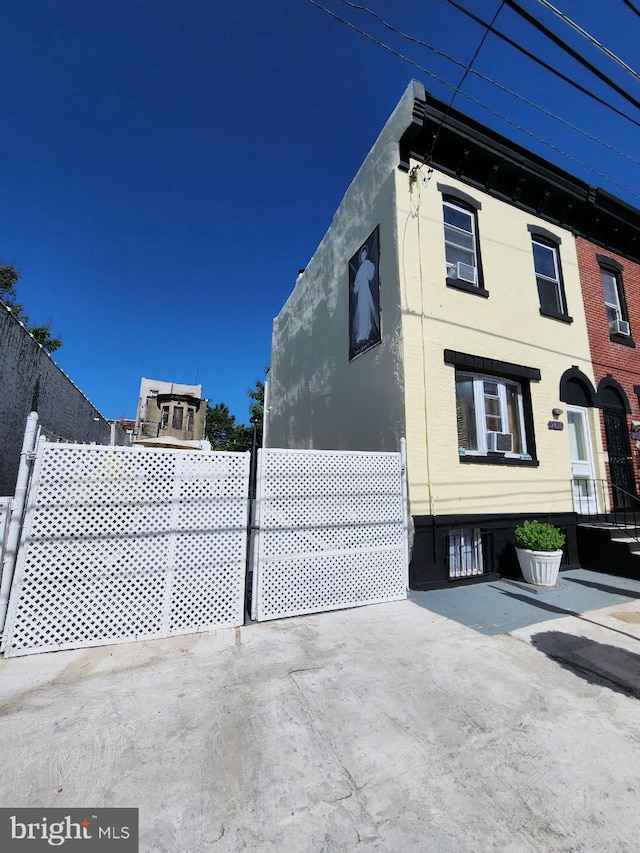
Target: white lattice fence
331	531
122	544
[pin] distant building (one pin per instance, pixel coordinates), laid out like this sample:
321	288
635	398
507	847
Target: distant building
170	414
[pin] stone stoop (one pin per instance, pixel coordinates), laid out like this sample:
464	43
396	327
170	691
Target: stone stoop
610	548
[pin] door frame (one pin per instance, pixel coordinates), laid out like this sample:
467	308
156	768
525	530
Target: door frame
583	469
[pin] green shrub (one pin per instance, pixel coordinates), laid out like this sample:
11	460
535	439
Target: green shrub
539	536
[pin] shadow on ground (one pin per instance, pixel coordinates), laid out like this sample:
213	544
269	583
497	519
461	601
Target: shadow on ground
597	663
604	587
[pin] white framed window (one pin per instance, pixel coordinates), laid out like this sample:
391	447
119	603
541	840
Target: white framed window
464	552
460	243
611	287
546	261
490	415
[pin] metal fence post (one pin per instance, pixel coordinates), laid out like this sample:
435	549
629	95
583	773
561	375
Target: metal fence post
17	510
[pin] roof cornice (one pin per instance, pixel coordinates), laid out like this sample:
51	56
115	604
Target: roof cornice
459	146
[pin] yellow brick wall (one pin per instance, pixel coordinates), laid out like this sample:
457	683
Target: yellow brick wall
506	326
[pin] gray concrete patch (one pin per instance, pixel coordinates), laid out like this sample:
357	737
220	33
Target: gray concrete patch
503	606
385	728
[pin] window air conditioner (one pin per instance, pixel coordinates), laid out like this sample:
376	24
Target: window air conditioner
621	327
500	441
465	272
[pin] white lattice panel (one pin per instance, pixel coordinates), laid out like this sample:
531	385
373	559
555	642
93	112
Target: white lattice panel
331	531
122	544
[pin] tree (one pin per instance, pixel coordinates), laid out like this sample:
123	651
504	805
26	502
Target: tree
43	335
223	432
9	276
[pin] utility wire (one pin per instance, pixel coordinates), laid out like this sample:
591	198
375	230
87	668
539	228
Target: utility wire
459	86
542	63
589	38
571	52
493	82
633	8
501	116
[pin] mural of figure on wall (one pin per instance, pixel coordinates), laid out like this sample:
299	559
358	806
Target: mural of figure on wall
364	297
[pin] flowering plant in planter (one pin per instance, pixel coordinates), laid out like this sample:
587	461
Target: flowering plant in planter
539	550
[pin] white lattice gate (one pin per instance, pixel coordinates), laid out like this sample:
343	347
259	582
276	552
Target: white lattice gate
126	543
330	531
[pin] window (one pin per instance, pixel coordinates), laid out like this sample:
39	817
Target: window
177	417
546	261
190	416
460	243
490	416
464	552
614	302
165	417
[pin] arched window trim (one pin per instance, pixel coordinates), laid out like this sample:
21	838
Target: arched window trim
544	235
456	195
574	374
609	382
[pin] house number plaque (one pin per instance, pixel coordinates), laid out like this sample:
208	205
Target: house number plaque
555	425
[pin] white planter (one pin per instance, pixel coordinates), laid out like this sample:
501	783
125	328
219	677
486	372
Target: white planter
539	567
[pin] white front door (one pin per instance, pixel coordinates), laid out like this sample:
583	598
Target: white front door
585	498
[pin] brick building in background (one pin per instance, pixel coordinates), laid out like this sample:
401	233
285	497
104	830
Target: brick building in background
611	293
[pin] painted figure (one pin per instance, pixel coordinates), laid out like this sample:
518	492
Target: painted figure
365	319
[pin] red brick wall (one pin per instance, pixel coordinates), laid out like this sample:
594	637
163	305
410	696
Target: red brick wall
622	362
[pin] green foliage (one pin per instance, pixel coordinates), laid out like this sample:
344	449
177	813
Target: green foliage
221	429
43	335
225	434
539	536
9	276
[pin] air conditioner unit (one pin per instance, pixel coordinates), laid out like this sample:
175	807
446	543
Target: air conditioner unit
465	272
621	327
500	441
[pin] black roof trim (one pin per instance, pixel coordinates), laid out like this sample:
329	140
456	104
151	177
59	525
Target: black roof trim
459	146
480	364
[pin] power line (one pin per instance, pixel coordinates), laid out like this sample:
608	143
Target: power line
490	80
571	52
589	38
543	64
469	98
632	7
459	86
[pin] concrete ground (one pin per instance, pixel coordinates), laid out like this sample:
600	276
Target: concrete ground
386	728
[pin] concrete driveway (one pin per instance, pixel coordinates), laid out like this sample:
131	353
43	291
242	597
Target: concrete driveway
387	728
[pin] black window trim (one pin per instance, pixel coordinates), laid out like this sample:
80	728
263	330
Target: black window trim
616	269
458	195
547	238
466	202
504	370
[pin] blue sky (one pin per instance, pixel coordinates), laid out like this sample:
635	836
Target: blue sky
167	166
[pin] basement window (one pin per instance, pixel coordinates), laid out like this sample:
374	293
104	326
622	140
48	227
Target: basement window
464	553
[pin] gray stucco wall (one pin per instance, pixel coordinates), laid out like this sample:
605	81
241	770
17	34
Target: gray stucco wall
31	381
317	398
